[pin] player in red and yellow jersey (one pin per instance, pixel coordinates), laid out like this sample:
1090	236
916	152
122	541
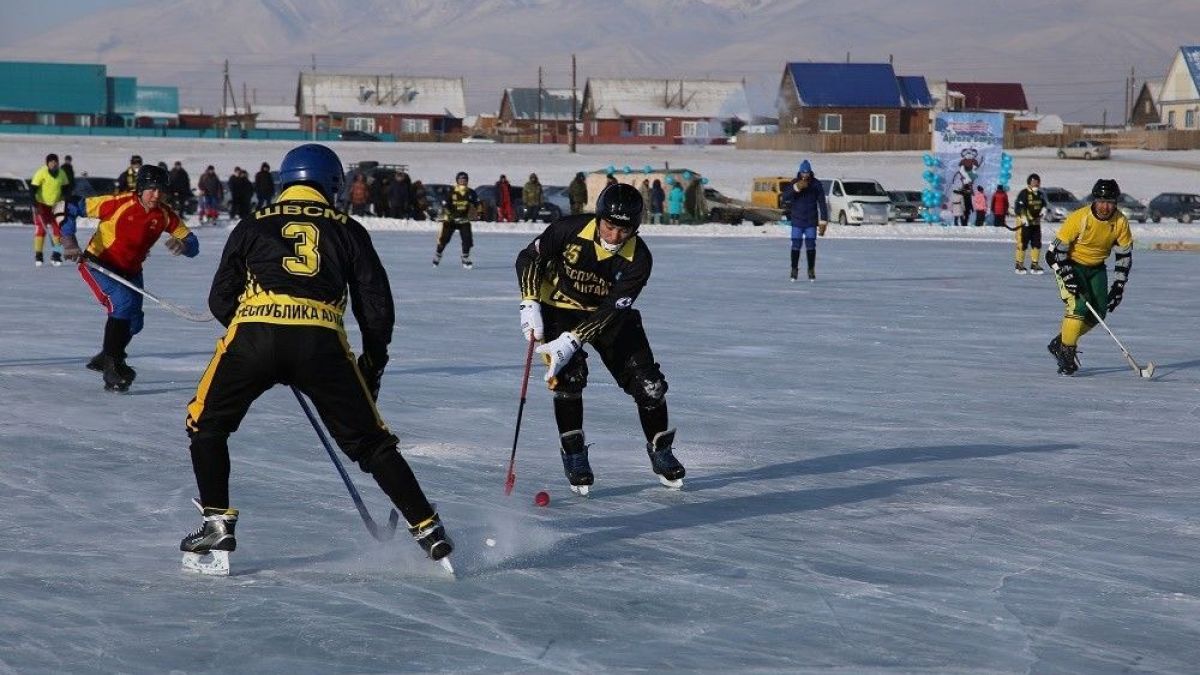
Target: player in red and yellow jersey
130	224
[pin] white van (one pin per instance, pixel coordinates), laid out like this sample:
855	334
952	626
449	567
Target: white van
856	201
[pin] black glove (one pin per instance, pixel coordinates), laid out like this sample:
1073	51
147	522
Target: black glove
1115	294
1069	280
372	371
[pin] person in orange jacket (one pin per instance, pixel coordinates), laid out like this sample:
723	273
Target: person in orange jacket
999	206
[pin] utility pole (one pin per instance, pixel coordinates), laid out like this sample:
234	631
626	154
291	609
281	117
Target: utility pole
312	100
539	108
574	113
227	97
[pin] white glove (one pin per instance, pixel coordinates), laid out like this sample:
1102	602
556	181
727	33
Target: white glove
559	351
531	320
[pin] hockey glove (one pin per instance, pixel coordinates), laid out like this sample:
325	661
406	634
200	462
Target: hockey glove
175	246
372	372
1115	294
1069	280
559	351
71	250
531	320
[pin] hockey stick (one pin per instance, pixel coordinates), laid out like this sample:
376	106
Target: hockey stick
1148	371
511	479
379	533
174	309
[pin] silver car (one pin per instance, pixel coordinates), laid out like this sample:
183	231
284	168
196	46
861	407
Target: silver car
1084	150
1059	204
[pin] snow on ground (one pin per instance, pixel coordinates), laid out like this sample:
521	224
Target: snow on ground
884	472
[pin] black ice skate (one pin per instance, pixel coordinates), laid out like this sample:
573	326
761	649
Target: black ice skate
56	258
117	374
662	460
1020	269
1064	355
575	462
437	258
466	262
96	363
206	551
37	259
1035	268
431	536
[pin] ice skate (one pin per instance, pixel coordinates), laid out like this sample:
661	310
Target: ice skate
1036	269
437	258
38	260
56	259
117	374
96	363
206	551
431	537
1020	269
466	262
575	462
812	274
1065	356
662	460
795	273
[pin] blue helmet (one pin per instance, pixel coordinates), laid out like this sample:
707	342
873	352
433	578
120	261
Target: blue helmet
314	165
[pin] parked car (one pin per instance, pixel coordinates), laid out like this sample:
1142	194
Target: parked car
355	135
724	209
1181	206
558	196
16	200
96	186
1084	150
855	201
906	205
489	200
768	191
477	138
435	193
1131	207
1059	204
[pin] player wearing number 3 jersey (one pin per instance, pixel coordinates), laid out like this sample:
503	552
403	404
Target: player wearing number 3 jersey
281	288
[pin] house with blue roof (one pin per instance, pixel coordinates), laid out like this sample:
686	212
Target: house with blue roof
852	98
1179	100
547	113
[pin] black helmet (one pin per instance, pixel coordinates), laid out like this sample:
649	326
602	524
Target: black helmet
620	205
1106	188
1033	177
136	159
461	175
151	177
314	165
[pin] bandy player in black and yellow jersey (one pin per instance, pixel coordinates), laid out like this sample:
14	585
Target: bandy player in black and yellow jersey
579	280
281	288
1077	256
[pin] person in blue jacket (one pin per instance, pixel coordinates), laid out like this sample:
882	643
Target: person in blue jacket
804	205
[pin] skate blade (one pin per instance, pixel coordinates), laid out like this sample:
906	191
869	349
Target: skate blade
676	484
445	563
581	490
213	563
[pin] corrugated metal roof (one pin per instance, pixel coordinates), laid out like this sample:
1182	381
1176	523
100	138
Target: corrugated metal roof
77	88
1191	56
701	99
381	94
556	103
914	91
990	95
846	85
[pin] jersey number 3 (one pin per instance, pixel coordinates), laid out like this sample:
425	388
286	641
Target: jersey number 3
307	261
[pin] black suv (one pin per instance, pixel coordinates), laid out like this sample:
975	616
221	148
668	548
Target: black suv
1181	206
16	201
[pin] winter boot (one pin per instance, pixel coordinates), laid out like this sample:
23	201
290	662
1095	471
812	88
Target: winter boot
437	258
1020	269
431	537
575	462
216	534
795	273
96	363
466	261
812	263
117	374
662	460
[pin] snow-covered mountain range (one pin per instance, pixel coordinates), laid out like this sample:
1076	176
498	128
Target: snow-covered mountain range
1072	55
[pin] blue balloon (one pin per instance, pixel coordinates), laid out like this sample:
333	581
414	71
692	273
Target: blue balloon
687	175
647	169
611	169
670	180
704	180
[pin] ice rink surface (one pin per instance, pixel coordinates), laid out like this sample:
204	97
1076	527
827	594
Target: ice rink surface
884	475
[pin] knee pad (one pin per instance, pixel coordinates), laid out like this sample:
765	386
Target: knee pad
571	380
645	383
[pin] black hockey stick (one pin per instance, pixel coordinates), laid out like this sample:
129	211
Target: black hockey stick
380	534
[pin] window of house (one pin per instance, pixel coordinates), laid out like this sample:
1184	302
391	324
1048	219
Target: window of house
1171	118
408	126
366	124
83	120
652	128
594	128
1189	119
831	122
45	118
878	124
694	129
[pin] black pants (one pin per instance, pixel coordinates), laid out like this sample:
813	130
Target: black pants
625	352
252	358
1031	236
464	231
